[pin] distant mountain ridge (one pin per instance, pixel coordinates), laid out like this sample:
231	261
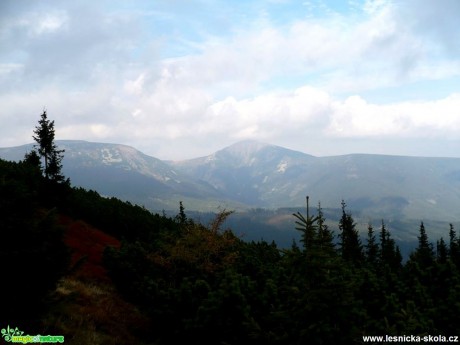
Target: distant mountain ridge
248	171
124	172
251	174
380	185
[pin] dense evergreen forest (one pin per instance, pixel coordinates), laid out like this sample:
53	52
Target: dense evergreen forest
171	279
203	284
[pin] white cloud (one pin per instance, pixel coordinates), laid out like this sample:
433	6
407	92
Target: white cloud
420	119
102	74
50	23
380	48
309	110
268	116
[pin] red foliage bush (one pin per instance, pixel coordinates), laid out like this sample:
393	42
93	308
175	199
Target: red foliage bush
87	245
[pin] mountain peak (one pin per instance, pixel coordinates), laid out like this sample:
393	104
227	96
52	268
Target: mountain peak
245	147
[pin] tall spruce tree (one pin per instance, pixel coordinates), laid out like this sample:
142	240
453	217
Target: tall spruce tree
372	248
325	236
424	252
308	228
389	252
47	149
454	246
349	243
441	251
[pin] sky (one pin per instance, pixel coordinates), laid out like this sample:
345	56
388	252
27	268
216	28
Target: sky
179	79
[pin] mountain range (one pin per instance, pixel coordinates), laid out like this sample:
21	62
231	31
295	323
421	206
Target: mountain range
251	174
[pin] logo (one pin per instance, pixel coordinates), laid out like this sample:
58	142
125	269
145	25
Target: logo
14	335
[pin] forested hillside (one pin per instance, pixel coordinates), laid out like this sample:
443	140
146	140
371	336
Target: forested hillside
173	279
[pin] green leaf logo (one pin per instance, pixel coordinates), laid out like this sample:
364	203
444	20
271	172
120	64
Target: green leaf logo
8	333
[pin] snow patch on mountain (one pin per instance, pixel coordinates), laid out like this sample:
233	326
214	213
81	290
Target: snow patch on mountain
109	157
281	168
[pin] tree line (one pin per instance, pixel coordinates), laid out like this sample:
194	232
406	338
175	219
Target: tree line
202	284
205	284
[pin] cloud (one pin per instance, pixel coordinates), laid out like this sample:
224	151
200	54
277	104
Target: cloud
267	116
159	75
71	45
309	110
382	46
306	114
437	22
357	118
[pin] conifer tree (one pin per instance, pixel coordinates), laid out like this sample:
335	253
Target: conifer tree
424	252
454	246
350	243
389	252
398	257
181	217
308	228
325	237
383	239
372	248
32	158
441	251
47	149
